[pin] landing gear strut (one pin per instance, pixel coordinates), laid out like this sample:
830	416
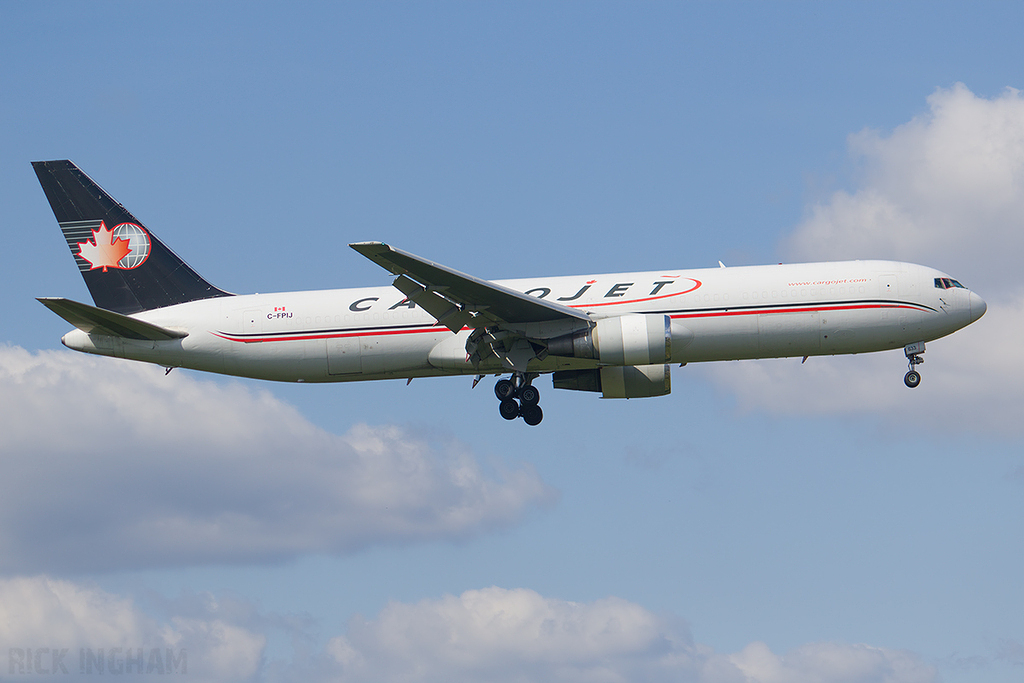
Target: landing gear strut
519	398
913	352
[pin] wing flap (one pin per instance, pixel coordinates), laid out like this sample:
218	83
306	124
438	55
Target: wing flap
443	310
440	285
92	320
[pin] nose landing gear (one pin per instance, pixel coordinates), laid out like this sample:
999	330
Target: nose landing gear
913	352
519	398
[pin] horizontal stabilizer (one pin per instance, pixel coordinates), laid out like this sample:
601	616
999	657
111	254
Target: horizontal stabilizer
92	320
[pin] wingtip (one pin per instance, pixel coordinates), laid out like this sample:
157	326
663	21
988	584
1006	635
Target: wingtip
370	249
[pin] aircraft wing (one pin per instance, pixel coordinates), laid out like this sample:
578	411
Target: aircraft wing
452	297
92	320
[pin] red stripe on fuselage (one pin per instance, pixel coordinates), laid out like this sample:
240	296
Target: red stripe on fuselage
809	309
694	314
326	335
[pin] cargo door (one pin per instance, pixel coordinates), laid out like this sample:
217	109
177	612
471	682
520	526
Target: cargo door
344	356
788	334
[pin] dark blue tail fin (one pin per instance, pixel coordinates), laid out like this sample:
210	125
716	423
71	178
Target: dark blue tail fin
125	266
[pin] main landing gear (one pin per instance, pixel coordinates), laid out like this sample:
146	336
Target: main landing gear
913	351
519	398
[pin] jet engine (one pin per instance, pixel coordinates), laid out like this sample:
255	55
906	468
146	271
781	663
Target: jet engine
633	339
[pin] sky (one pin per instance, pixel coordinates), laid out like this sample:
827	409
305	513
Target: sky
768	521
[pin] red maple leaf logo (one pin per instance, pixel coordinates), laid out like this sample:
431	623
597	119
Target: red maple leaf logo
103	251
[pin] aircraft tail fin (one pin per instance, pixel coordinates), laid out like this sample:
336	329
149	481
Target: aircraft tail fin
126	268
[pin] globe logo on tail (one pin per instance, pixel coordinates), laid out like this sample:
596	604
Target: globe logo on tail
125	246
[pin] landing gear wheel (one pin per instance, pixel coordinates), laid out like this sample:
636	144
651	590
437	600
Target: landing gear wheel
532	414
529	395
504	390
913	353
509	409
519	387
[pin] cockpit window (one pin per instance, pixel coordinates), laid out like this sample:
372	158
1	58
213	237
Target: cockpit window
947	283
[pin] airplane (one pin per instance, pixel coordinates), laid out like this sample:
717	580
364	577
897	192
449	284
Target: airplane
614	334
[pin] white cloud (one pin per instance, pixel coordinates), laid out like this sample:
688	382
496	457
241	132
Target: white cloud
945	189
110	465
64	629
493	634
485	632
498	635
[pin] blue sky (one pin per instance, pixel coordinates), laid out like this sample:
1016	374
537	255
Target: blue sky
767	520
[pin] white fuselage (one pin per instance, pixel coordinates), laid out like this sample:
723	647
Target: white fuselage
717	314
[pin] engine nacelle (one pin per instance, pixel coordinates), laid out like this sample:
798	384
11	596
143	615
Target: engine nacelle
633	339
635	381
628	381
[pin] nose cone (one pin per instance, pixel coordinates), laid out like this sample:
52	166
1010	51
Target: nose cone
978	307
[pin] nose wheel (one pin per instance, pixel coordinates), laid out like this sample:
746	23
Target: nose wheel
913	352
519	398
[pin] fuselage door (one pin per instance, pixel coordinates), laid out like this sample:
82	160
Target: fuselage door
888	294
